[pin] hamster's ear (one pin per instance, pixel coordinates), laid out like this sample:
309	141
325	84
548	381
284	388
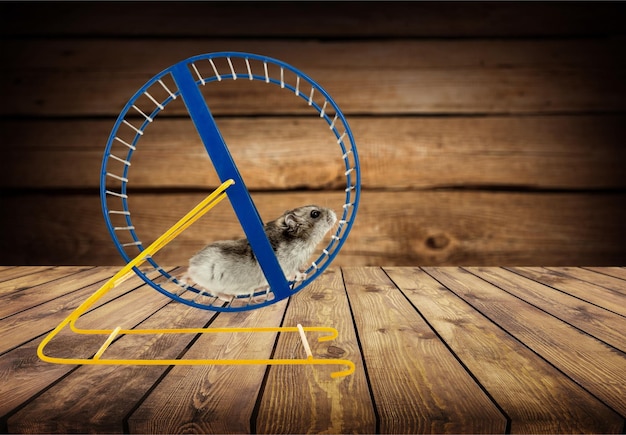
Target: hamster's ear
291	221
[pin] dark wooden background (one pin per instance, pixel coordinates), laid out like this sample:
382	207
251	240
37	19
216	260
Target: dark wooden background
489	133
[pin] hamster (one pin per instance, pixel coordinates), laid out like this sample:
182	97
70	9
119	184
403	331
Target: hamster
229	268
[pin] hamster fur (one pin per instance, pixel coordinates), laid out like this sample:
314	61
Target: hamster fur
229	268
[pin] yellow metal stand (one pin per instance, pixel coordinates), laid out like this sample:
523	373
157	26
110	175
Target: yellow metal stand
207	204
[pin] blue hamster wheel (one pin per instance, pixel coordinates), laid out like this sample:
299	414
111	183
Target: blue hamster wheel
185	80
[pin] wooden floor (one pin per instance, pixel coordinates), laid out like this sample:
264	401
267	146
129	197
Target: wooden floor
457	350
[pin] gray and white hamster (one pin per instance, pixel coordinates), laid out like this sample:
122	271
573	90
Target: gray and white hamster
229	268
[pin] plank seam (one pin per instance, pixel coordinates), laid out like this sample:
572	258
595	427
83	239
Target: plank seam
2	280
545	311
370	389
254	415
565	274
181	354
7	416
602	273
100	282
507	429
513	337
86	312
510	269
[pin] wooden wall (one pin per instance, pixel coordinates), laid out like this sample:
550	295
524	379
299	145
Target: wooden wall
489	133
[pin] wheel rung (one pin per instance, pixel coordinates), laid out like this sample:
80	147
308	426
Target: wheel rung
249	69
159	105
119	195
219	77
141	112
193	65
119	159
132	147
132	126
137	243
323	111
332	124
232	70
167	89
117	177
341	137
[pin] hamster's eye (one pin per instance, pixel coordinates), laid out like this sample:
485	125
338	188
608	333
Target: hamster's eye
315	214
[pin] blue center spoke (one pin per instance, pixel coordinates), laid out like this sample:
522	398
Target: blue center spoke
226	169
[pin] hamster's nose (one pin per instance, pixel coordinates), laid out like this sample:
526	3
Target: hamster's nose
332	217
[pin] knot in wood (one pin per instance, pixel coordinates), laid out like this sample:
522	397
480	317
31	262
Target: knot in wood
335	352
437	241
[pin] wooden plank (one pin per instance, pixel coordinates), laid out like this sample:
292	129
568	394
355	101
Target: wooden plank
30	375
608	282
31	323
69	54
23	299
319	20
400	228
109	393
597	322
542	400
573	152
595	366
418	386
617	272
606	298
9	274
213	399
32	280
49	77
324	405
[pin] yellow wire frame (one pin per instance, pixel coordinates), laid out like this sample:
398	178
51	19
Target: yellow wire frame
126	272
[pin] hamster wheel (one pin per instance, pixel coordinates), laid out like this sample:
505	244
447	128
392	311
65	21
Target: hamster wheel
186	80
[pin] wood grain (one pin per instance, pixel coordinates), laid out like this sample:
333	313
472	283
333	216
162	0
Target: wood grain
391	228
533	371
596	321
16	272
319	20
555	152
602	280
500	363
26	325
578	355
325	405
12	286
22	381
84	401
26	298
617	272
410	370
213	399
497	97
603	297
50	77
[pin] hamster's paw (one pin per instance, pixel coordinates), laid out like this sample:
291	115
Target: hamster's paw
225	297
300	276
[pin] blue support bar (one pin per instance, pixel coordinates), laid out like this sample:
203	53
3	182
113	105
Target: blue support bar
225	166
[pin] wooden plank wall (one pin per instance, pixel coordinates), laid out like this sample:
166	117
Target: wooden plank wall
489	133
